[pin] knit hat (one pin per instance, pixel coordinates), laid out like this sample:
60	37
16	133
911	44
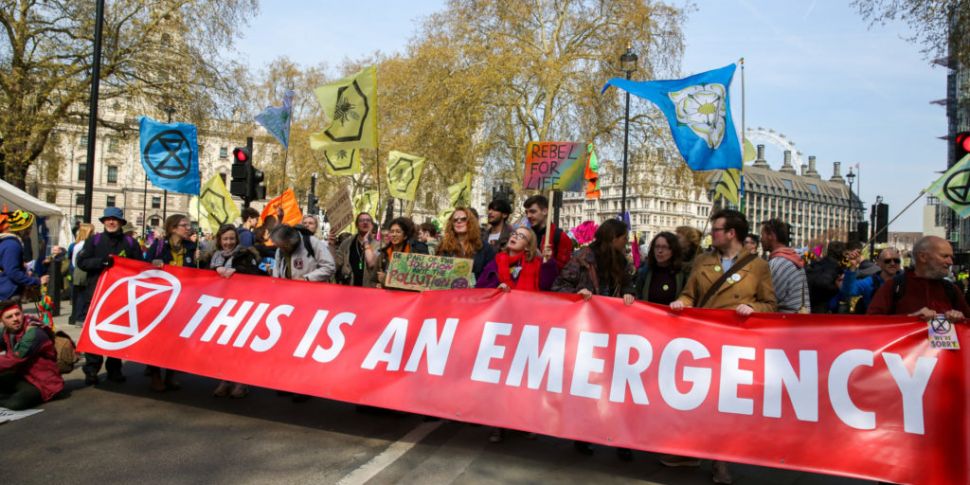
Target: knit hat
16	221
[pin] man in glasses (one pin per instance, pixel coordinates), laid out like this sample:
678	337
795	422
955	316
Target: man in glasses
861	281
923	292
356	257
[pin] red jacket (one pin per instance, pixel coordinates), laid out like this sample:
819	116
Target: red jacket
561	252
918	293
30	353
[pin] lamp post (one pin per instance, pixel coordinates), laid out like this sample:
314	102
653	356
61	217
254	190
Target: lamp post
628	62
851	177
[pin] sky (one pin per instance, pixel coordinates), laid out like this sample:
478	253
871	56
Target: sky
814	70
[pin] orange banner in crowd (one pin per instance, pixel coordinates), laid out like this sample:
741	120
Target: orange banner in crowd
286	204
865	397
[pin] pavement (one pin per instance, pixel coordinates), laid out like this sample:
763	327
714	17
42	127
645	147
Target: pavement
125	433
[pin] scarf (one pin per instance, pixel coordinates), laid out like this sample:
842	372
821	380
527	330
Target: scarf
224	258
789	254
528	276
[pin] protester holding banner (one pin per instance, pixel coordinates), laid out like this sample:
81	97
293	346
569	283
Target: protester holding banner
662	278
230	258
300	256
730	277
462	238
602	268
176	249
357	259
28	364
537	211
95	257
400	236
519	267
14	226
923	292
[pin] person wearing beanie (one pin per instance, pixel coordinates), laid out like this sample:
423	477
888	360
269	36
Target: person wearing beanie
14	226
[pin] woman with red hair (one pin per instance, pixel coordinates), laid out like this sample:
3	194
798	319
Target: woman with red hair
463	239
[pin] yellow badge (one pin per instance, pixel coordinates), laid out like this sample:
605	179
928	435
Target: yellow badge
666	287
717	269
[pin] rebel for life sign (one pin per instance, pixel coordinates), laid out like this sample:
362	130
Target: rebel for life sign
340	210
857	396
412	271
554	165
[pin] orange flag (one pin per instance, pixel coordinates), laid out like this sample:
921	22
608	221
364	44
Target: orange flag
287	205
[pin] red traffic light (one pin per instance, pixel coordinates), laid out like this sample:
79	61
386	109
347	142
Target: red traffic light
963	140
241	155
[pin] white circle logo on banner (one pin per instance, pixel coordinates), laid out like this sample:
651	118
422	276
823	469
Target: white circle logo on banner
117	320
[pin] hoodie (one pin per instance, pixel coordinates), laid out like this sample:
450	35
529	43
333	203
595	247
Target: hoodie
13	278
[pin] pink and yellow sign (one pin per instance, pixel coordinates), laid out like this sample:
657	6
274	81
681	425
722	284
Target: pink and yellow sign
554	165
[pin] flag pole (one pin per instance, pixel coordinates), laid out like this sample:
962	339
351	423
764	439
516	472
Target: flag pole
886	227
743	135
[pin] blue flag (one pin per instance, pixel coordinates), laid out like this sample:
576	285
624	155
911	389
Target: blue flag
698	109
276	120
170	155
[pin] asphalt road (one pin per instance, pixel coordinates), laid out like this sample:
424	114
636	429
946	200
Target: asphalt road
125	433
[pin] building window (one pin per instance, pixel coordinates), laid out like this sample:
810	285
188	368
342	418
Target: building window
51	196
113	145
82	171
78	199
112	174
110	201
156	202
223	152
83	140
154	221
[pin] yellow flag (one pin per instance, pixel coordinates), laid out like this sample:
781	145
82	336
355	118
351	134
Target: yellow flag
460	194
367	202
217	202
728	185
350	105
443	217
342	161
403	174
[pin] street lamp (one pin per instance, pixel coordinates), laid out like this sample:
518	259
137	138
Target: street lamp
628	63
851	177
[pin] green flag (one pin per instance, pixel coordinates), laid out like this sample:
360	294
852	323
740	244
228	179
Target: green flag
460	194
953	188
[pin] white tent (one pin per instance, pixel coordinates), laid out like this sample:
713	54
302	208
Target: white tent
58	225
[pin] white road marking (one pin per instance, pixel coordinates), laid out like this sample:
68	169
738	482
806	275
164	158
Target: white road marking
397	449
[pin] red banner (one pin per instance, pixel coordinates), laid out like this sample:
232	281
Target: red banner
862	397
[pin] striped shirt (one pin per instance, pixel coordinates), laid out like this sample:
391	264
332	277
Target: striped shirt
791	285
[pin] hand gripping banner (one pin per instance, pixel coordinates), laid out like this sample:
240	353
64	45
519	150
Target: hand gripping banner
865	397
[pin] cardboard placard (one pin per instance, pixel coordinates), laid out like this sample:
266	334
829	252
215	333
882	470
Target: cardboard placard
554	165
412	271
340	210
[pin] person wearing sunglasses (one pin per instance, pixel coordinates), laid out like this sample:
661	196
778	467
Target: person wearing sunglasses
862	281
462	238
519	267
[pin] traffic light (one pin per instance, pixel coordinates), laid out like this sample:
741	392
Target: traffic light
311	204
242	165
961	145
256	189
882	220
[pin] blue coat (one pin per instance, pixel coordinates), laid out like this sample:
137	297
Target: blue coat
13	278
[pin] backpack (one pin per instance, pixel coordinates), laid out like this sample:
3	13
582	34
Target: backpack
899	289
66	354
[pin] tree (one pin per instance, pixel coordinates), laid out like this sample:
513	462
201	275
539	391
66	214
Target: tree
940	26
484	77
155	53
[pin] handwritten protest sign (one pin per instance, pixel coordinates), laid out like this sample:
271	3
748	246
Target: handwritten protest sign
340	210
422	272
554	165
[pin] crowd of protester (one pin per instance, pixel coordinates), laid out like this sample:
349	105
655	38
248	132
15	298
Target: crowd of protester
740	270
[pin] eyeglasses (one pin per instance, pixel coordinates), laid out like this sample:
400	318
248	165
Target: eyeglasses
518	235
460	219
365	221
891	260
